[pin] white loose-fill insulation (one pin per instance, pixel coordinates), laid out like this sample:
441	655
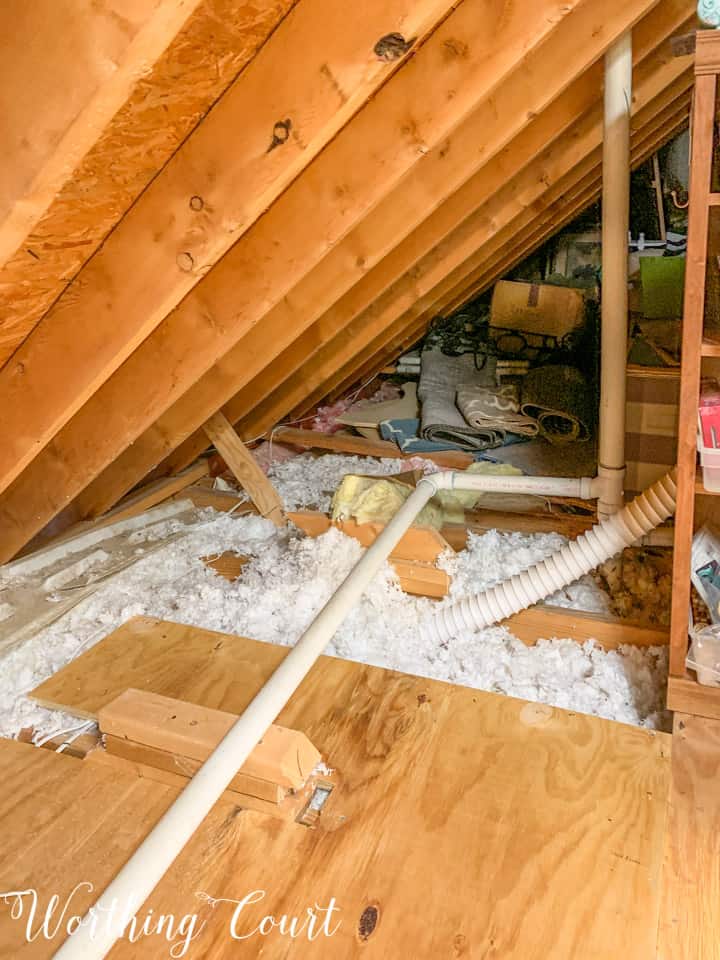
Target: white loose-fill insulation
290	576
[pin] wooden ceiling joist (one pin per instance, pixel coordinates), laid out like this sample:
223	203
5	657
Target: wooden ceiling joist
498	125
87	175
272	121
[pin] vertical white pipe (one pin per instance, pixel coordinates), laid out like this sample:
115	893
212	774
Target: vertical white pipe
615	224
146	867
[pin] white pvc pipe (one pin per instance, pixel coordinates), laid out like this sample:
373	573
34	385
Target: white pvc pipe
585	488
146	867
570	563
614	305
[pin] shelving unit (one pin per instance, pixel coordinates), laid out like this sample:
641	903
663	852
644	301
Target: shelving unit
702	301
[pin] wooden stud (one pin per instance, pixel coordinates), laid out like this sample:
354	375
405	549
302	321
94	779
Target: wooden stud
245	469
686	695
703	152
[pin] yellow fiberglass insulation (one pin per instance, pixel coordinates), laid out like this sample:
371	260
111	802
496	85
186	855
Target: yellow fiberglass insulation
377	499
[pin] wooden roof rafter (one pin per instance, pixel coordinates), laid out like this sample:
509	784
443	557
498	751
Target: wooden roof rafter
360	268
272	121
89	163
295	313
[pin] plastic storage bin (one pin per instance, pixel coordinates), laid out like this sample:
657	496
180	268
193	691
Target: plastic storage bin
704	655
710	463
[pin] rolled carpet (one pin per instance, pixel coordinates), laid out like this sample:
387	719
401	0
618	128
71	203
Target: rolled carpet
559	399
495	409
441	421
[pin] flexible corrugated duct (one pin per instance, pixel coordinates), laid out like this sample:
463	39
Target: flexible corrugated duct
579	557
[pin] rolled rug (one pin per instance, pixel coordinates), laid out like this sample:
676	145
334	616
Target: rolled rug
441	420
406	434
559	399
496	408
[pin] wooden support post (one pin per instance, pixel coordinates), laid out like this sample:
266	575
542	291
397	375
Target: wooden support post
245	469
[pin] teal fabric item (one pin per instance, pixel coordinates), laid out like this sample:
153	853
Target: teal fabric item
405	433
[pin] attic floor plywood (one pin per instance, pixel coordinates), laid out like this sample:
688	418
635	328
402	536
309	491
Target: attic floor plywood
691	875
474	824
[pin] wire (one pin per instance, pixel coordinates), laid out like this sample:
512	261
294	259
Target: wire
70	740
290	423
80	728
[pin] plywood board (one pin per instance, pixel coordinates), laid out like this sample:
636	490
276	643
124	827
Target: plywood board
214	670
690	917
465	824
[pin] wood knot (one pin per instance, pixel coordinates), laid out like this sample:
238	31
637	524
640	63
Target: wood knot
368	922
196	203
185	262
392	46
281	132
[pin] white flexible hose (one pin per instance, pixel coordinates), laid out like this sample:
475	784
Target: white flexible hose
573	561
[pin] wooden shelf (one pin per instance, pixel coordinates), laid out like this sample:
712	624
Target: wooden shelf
701	491
714	200
709	349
